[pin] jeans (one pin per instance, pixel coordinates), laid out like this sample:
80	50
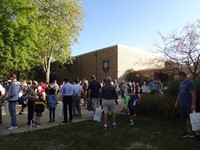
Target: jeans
12	109
76	105
95	103
52	114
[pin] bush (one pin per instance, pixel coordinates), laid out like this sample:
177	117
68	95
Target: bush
163	106
159	106
172	88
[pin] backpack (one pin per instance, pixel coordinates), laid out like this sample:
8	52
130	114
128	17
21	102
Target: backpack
21	99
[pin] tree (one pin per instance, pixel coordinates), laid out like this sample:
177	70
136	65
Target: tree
17	34
182	49
59	23
134	76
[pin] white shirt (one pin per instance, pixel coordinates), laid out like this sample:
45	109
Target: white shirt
2	89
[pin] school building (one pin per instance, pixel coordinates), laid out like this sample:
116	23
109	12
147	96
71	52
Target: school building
111	61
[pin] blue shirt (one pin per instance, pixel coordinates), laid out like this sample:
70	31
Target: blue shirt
184	92
78	89
52	101
67	90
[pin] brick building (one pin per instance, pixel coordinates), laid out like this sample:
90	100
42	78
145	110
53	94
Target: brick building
111	61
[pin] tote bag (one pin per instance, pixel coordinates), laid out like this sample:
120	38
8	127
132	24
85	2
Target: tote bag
98	114
195	121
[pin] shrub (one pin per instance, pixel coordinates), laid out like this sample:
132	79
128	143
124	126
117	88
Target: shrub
172	87
159	106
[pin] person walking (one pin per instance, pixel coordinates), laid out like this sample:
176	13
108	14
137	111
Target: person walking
94	92
67	94
12	97
108	97
186	99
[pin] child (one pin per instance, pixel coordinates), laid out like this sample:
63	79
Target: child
39	108
131	102
52	102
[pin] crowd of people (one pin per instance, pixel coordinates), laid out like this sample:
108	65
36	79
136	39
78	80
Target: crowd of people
36	96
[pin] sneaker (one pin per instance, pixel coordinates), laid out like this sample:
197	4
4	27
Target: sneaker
114	125
130	123
20	113
188	135
105	127
12	128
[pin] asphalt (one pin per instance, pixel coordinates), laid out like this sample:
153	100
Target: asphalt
22	119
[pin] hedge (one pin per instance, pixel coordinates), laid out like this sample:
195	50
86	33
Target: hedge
159	106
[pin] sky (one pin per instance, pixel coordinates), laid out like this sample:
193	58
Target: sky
133	23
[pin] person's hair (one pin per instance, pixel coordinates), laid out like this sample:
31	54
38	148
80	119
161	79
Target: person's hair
108	79
52	91
66	80
35	83
76	80
39	94
93	77
13	76
182	74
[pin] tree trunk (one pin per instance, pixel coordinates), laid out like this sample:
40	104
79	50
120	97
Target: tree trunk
47	67
47	75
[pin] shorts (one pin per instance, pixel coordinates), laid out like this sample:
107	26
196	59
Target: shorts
109	105
185	113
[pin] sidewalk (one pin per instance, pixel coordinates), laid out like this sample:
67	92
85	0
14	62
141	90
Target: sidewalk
22	120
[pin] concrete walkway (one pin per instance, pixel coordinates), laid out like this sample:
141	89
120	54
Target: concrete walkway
22	119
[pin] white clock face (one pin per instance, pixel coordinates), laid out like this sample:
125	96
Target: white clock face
105	65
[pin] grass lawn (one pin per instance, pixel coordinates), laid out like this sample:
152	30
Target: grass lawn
144	134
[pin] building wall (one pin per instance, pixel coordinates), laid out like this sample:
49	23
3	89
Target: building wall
121	59
92	64
129	58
